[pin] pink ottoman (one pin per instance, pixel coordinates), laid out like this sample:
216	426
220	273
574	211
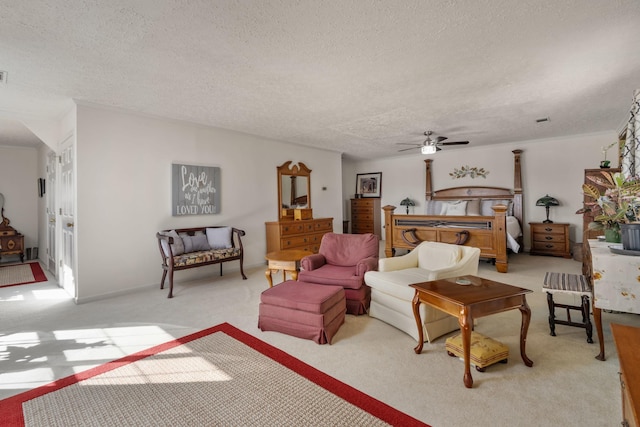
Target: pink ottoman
303	310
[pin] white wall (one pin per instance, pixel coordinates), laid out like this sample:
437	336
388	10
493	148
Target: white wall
18	184
124	193
554	166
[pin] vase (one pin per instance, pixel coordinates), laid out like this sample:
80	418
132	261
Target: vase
630	234
612	235
604	164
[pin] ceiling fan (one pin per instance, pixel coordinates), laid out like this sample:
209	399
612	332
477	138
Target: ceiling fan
431	145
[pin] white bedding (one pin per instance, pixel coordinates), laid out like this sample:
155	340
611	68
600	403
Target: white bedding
513	231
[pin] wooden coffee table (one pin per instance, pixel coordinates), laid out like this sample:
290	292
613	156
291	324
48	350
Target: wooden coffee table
480	297
286	260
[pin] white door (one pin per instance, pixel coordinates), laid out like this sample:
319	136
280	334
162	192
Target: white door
50	192
66	217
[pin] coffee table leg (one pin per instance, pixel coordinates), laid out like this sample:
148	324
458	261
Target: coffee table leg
466	322
416	315
526	318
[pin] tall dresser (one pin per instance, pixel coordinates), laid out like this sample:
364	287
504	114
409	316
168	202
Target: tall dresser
303	234
365	216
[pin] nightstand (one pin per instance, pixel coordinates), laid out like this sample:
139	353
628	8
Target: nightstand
551	238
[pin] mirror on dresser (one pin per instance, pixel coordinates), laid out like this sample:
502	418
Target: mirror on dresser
296	228
294	189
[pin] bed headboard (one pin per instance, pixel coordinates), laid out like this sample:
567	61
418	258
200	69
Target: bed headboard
476	192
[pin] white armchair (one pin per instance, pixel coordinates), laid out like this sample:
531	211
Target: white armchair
391	295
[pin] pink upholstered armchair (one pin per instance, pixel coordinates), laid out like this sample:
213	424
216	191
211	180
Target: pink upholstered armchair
342	261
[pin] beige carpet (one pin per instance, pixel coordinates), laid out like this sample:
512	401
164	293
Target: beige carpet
45	336
209	378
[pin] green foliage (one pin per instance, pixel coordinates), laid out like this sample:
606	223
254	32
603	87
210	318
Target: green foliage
618	204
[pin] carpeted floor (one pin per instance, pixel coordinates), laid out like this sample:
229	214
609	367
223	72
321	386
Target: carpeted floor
45	336
218	376
21	274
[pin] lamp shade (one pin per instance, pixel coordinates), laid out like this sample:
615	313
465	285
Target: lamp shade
547	201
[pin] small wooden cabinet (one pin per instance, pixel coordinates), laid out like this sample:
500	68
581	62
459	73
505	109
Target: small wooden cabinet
11	243
365	216
627	339
551	238
303	234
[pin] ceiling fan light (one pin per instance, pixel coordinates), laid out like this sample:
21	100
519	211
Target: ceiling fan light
428	149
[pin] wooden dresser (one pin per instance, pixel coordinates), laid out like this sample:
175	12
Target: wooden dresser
627	339
551	238
11	242
365	216
303	234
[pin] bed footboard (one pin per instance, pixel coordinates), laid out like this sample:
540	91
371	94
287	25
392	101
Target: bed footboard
484	232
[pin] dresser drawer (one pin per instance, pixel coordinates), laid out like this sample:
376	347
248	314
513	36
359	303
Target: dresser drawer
549	246
362	228
549	228
323	225
295	241
296	227
366	216
538	237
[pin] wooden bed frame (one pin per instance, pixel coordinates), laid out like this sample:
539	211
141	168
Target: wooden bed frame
489	233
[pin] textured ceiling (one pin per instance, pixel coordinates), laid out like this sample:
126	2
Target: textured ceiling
351	76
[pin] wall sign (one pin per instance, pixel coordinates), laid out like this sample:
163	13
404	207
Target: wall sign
195	190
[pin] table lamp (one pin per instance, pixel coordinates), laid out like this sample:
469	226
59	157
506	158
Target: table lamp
547	201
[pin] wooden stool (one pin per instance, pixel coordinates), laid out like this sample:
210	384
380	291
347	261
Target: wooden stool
572	284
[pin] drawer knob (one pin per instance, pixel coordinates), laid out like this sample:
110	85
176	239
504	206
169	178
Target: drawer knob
549	246
548	237
548	229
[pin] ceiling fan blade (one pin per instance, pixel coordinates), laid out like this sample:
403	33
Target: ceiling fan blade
441	138
408	143
454	143
411	148
438	148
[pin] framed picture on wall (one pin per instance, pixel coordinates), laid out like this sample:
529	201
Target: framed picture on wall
369	184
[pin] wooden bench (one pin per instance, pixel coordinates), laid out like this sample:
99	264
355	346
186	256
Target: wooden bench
197	247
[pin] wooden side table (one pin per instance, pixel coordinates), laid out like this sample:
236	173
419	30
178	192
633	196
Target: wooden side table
287	260
550	238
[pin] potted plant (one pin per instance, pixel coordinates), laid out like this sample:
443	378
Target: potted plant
605	164
407	202
616	207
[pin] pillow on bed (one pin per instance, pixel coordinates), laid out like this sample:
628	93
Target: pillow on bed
485	206
459	207
432	207
473	207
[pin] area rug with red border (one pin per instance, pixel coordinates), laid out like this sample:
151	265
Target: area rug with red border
21	274
218	376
